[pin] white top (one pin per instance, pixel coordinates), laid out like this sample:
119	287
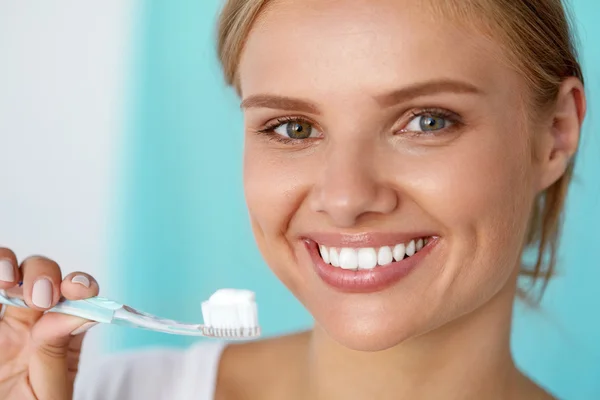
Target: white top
164	374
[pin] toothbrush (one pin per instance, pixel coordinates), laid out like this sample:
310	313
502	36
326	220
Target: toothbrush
229	313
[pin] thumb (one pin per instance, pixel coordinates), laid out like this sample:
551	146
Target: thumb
51	369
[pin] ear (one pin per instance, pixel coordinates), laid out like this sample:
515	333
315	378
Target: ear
560	140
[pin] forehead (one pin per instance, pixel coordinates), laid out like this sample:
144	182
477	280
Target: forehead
339	45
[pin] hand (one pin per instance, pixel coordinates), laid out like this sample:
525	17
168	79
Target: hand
39	353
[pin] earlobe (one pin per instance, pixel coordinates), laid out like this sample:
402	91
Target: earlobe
563	137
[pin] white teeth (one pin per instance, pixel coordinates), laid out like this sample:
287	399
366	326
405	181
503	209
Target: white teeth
348	258
367	258
411	248
419	244
399	251
384	256
324	253
333	257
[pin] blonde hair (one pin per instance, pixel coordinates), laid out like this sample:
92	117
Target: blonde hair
537	37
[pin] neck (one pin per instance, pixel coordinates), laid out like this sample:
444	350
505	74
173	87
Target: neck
468	358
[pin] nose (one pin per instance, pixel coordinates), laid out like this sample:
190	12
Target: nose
350	186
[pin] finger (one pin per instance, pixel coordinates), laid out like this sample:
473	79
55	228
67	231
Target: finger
58	339
40	290
52	357
41	282
9	271
76	286
79	285
74	354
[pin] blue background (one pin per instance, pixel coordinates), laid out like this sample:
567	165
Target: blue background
185	231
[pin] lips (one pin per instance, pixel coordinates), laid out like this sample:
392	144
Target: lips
374	278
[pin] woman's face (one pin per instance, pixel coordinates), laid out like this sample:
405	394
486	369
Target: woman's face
370	124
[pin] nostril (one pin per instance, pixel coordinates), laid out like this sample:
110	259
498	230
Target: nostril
348	189
387	200
344	208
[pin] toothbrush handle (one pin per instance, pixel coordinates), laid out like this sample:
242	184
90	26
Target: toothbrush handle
11	301
96	309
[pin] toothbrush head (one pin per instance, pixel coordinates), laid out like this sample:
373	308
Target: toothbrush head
231	314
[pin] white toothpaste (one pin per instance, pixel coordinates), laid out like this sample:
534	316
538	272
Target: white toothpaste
231	309
231	296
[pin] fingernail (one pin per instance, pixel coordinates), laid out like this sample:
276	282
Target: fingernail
83	328
82	280
7	271
41	295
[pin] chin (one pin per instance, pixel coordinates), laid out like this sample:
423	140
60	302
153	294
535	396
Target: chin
369	324
368	336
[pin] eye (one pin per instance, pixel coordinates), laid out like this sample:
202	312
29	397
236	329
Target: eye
428	123
296	129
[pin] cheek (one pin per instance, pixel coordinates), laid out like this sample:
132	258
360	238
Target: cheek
273	191
270	190
479	191
474	187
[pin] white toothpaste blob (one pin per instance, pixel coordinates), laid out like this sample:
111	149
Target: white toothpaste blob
231	296
230	309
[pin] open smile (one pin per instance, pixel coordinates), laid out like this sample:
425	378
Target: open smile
359	264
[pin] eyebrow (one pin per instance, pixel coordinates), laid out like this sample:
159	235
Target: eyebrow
386	100
280	103
426	89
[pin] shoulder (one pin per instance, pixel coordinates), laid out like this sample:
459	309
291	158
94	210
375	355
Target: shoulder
155	374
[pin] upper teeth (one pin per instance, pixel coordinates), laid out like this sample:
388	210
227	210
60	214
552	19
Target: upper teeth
369	257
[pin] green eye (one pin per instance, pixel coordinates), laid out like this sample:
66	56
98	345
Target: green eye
431	123
295	129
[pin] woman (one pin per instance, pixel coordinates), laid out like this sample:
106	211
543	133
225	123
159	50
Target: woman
399	158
